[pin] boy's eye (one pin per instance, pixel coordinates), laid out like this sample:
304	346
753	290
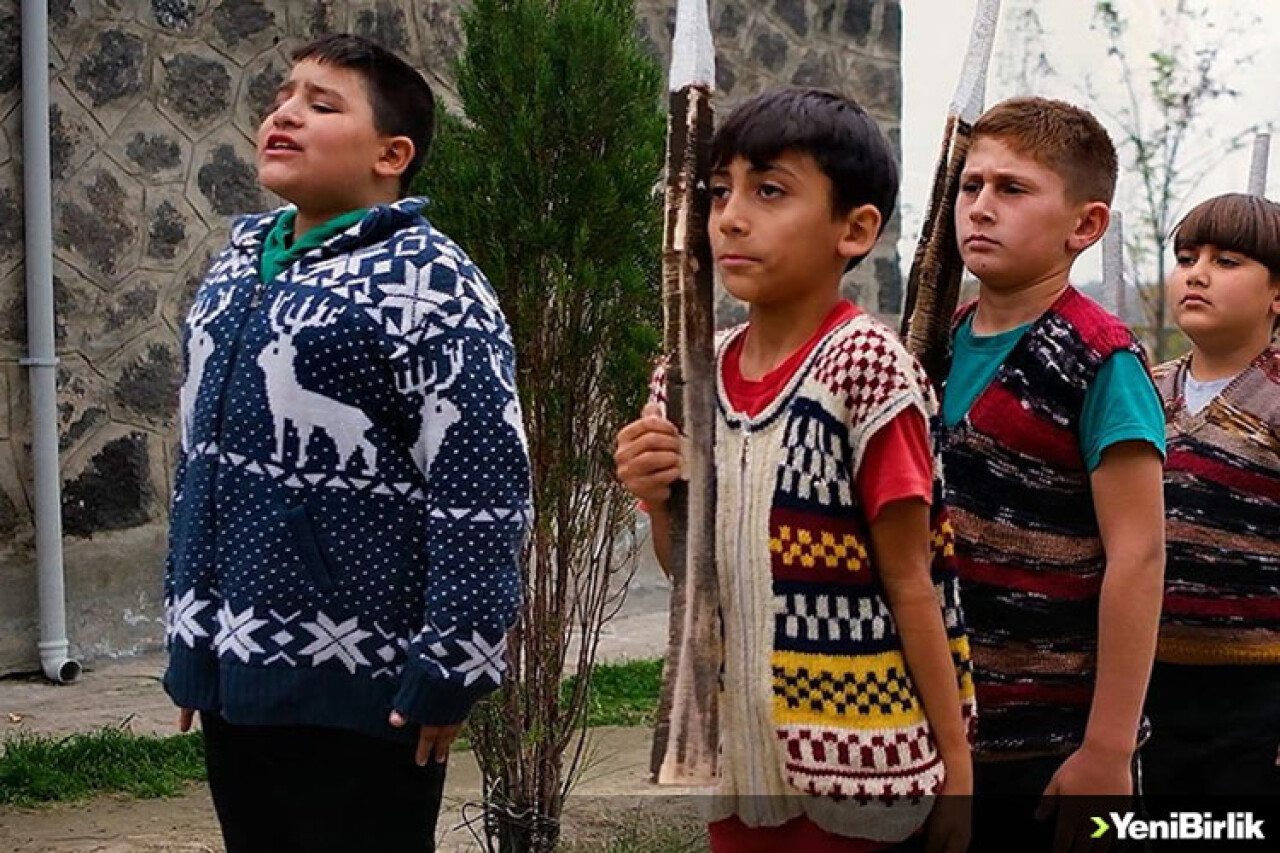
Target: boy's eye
1013	189
323	108
1185	259
719	192
771	191
970	187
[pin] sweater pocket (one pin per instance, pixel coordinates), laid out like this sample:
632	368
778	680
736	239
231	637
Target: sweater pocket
308	548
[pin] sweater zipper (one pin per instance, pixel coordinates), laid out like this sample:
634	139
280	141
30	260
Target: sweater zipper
743	588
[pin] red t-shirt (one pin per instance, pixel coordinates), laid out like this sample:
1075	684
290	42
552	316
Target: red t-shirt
898	462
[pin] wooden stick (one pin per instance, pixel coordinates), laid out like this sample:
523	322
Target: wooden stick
933	285
1113	261
686	737
1258	165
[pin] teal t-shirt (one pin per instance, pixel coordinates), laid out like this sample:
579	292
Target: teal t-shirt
1120	405
280	250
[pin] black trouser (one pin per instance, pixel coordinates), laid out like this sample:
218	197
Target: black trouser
296	789
1006	795
1215	731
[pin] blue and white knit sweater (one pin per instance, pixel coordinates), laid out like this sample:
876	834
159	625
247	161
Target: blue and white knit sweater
353	484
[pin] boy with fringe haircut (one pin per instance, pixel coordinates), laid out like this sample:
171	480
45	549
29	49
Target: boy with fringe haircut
1220	629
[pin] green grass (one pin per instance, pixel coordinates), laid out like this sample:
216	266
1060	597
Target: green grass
40	768
623	694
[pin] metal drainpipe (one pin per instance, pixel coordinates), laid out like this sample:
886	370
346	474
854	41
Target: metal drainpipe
41	358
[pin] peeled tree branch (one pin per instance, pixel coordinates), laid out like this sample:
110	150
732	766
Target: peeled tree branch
933	286
686	737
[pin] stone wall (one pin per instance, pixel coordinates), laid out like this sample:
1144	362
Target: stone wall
154	107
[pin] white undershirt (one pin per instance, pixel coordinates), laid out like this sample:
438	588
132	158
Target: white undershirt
1196	394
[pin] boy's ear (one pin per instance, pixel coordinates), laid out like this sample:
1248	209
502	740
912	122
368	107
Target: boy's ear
861	230
1091	223
396	154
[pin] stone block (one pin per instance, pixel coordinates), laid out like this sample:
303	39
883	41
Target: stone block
13	317
147	144
96	219
74	135
243	28
258	86
857	19
111	74
731	22
5	429
101	323
770	50
818	69
387	22
174	229
15	516
145	377
309	19
195	87
11	221
10	51
84	407
180	291
173	17
224	180
440	38
110	488
794	14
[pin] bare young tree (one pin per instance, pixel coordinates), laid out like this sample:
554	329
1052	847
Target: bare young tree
548	185
1168	137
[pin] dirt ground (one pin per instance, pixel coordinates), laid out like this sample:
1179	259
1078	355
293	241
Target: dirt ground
128	692
613	785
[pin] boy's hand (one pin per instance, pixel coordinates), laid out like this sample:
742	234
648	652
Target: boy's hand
950	824
185	717
1090	782
648	456
433	741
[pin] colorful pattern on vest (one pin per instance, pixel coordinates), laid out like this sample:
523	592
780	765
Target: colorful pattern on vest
1222	500
820	715
1027	542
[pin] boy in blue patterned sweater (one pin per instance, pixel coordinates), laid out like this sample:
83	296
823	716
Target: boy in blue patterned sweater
352	487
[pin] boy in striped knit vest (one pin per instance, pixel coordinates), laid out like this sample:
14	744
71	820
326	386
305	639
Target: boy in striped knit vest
1220	631
1052	442
841	708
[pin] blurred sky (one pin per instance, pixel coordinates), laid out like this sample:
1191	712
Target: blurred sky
936	34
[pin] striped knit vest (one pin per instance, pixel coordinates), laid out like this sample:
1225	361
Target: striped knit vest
819	713
1027	543
1222	500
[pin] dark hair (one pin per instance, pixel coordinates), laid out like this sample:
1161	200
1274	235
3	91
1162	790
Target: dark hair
1236	222
846	143
402	102
1059	136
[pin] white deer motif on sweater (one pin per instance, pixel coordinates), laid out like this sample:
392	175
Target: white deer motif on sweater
439	413
307	410
200	345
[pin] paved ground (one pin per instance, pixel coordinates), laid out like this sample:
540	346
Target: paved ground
128	692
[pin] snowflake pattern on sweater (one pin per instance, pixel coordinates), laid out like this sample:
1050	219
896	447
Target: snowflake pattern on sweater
352	488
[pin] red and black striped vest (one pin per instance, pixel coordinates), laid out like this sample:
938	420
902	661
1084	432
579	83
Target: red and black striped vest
1029	553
